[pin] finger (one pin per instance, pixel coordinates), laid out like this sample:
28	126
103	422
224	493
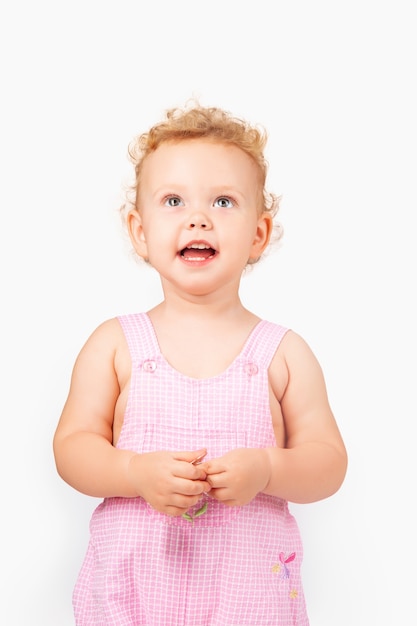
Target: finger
214	466
192	456
189	471
205	486
175	511
192	469
193	472
217	481
194	487
223	495
183	503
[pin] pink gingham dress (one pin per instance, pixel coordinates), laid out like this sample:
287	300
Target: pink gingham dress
230	566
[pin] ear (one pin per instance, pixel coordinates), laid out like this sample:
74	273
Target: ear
262	236
136	233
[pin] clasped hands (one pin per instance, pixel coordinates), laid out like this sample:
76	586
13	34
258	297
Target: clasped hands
172	484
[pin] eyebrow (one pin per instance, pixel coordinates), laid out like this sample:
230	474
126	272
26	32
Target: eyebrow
217	190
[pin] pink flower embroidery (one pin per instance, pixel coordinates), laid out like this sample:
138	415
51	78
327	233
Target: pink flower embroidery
284	560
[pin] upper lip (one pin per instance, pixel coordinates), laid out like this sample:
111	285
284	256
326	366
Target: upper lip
198	244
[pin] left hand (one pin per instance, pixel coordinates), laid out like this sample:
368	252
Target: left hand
238	476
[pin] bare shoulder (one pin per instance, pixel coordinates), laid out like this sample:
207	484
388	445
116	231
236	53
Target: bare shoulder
106	339
108	333
105	348
293	361
297	353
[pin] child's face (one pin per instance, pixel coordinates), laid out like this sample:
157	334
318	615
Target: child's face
198	218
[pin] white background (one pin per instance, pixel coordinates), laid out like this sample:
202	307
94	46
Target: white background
334	84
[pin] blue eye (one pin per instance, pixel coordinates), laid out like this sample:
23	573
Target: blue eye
173	201
224	202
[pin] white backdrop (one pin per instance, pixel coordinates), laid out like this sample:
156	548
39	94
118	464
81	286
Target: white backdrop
334	84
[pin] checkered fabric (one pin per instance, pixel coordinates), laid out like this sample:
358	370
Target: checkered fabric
231	566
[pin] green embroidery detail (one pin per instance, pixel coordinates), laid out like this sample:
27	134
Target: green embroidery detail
200	511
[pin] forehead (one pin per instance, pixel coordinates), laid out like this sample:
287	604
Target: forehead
203	158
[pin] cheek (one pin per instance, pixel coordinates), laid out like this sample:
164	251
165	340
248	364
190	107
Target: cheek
158	236
249	233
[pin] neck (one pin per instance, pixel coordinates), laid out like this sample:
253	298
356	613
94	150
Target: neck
221	301
200	307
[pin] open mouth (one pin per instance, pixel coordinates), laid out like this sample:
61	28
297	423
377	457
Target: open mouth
197	252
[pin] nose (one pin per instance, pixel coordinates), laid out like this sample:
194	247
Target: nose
198	220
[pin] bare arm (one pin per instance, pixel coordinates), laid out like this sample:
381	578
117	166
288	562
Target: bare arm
312	466
84	453
83	443
312	463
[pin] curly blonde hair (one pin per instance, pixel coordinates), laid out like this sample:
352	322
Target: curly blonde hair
212	123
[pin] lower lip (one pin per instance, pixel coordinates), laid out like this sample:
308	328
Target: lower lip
197	262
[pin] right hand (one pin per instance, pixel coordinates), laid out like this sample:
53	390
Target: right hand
168	481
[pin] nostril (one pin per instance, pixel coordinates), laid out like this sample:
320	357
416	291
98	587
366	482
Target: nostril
197	225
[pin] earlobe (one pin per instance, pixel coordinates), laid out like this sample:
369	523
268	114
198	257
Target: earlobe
262	236
136	233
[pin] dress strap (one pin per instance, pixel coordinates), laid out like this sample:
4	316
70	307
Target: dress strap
140	335
263	342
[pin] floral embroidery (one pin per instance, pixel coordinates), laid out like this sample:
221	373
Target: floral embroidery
283	570
190	517
281	567
284	560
